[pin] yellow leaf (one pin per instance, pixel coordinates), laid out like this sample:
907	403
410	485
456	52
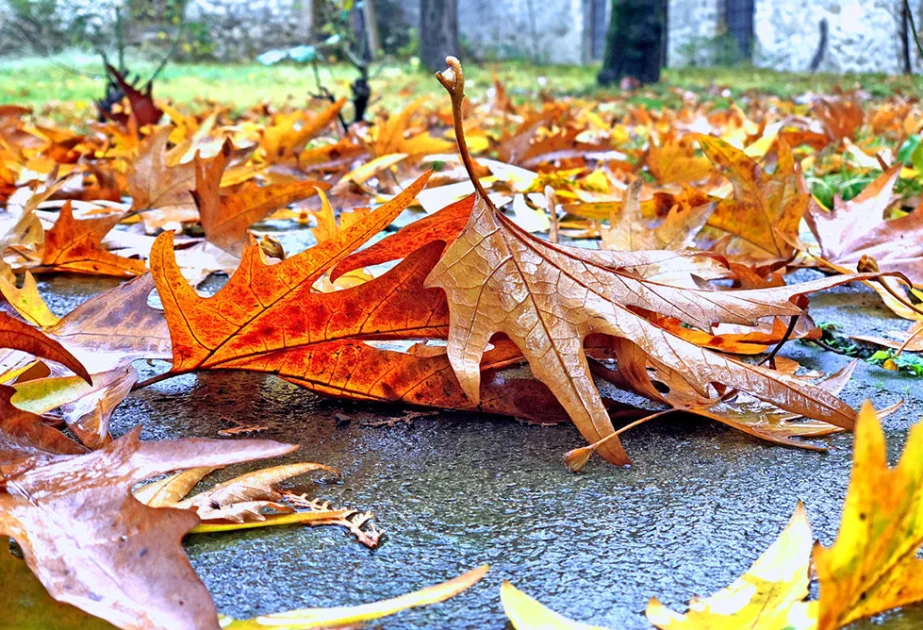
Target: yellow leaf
873	566
769	596
348	615
528	614
28	302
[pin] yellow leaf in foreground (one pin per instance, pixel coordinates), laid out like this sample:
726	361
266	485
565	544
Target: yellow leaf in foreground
873	566
769	596
350	615
527	614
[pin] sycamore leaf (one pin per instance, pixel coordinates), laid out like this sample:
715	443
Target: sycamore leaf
526	613
17	335
628	231
765	209
547	298
873	565
28	604
94	546
857	228
159	191
675	161
769	596
76	247
225	219
351	615
740	411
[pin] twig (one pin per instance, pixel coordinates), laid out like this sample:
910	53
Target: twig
170	53
770	358
913	27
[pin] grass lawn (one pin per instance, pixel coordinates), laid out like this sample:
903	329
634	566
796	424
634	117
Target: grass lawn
44	83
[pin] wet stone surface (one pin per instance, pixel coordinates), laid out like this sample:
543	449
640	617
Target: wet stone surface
454	491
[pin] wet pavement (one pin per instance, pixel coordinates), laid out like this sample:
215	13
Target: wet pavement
454	491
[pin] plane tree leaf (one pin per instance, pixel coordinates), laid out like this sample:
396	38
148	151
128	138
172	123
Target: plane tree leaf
225	218
547	298
76	247
94	546
763	214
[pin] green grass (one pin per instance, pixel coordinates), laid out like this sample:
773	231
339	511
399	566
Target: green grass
44	84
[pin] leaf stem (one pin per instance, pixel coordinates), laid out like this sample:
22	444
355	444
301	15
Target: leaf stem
453	80
154	379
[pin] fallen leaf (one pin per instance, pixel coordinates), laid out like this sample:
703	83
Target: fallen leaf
526	613
873	565
225	219
765	209
83	534
857	228
349	615
547	298
769	596
76	247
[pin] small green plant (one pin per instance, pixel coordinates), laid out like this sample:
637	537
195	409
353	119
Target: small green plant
906	362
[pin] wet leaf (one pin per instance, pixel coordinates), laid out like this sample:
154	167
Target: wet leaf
873	565
84	536
769	596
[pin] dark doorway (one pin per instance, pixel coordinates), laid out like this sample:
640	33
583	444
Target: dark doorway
738	15
597	23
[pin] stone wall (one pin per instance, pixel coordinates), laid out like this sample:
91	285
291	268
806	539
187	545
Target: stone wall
692	26
242	29
863	35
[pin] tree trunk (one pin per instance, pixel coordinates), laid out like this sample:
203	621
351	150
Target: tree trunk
438	32
635	41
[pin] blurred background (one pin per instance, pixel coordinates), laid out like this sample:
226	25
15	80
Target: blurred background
244	52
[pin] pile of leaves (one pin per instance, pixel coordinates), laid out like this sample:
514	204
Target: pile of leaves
562	246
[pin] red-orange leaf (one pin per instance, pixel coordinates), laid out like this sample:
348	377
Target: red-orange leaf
76	247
